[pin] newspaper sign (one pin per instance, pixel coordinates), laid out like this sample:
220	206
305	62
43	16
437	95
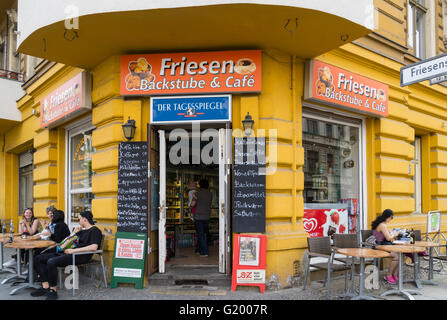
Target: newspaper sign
433	222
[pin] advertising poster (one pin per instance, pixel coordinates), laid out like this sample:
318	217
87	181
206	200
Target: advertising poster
249	251
433	222
325	222
129	249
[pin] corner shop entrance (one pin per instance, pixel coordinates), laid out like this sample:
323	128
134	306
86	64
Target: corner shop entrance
207	155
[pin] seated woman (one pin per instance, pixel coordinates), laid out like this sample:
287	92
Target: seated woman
383	236
57	230
49	225
89	239
29	226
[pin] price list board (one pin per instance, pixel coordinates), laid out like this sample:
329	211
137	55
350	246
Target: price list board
132	225
132	187
249	185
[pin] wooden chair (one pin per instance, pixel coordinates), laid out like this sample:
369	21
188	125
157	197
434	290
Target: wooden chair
321	247
92	261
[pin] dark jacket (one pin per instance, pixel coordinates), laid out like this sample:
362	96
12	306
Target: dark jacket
203	204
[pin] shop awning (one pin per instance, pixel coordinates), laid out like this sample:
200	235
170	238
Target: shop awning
305	28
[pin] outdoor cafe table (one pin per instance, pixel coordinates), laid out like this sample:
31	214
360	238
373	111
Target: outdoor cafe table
28	245
4	237
430	246
400	249
362	253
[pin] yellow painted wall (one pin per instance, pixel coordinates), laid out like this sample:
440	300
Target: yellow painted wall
419	109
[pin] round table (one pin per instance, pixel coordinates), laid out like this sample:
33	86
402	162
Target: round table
362	253
400	249
430	245
20	244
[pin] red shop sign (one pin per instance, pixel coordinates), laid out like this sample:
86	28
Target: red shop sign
341	88
191	72
69	100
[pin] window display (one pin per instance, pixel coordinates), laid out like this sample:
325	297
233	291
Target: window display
331	174
80	174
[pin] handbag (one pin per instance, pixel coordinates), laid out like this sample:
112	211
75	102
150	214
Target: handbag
371	242
70	242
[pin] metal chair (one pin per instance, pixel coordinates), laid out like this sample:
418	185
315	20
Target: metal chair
321	247
365	234
349	241
91	262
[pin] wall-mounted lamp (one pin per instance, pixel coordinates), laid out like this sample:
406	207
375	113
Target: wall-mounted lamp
129	129
248	124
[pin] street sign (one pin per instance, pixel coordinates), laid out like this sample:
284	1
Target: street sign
424	70
438	80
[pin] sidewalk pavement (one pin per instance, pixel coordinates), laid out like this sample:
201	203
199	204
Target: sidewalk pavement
93	289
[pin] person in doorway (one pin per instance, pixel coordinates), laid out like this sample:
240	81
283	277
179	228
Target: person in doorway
383	236
89	239
202	216
192	186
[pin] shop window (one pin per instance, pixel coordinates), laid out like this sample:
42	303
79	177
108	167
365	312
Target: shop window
25	181
417	178
416	27
332	172
80	174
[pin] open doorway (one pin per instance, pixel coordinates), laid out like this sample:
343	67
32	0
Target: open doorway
185	158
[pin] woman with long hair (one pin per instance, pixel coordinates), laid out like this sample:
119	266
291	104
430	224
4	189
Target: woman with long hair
29	225
383	236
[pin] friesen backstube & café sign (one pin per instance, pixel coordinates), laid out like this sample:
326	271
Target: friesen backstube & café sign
341	88
193	72
69	100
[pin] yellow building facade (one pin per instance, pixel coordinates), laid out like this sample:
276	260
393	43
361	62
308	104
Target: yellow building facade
386	153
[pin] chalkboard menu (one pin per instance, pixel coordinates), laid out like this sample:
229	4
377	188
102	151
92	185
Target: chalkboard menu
249	185
132	187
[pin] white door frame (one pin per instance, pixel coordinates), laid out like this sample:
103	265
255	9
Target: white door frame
162	207
225	139
70	131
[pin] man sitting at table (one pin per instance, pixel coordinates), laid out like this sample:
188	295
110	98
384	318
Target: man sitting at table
89	237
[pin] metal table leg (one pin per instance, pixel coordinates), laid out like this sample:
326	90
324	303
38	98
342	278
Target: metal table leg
30	283
430	270
406	293
362	296
18	275
416	268
4	269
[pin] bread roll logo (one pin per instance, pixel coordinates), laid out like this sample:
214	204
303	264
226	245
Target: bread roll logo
324	81
139	70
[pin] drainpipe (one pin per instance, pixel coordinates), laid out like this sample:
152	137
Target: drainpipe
294	140
5	58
